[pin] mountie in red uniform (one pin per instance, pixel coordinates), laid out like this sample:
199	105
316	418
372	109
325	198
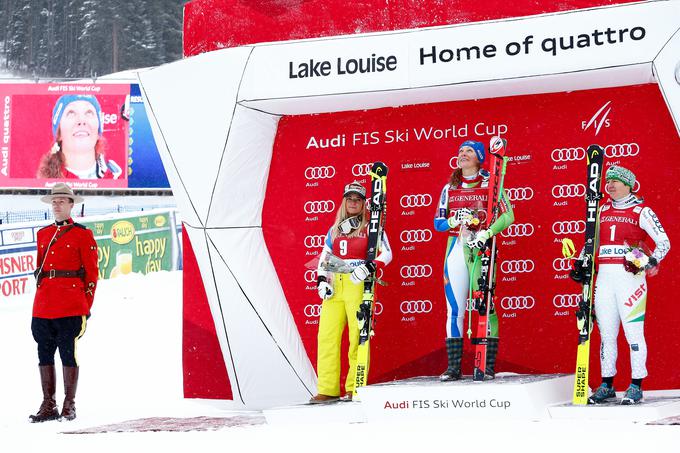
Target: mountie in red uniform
67	271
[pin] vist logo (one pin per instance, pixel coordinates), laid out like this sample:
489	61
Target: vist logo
568	154
566	300
326	172
408	307
517	266
416	271
417	200
319	207
599	119
569	227
568	191
518	230
520	193
361	169
410	236
518	303
314	241
622	150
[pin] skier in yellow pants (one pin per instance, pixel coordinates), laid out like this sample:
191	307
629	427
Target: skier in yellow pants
346	239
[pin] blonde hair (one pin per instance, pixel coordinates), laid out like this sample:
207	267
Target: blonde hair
342	215
53	162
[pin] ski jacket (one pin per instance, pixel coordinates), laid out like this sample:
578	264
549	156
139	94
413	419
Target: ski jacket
353	249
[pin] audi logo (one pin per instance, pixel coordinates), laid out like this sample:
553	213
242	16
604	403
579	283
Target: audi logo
562	264
313	310
408	236
453	162
517	266
315	241
319	207
415	200
566	300
518	229
568	154
622	150
520	193
569	191
518	303
310	276
361	169
319	172
636	186
569	227
377	308
415	306
416	271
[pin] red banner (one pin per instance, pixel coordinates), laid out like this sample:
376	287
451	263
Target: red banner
28	135
315	155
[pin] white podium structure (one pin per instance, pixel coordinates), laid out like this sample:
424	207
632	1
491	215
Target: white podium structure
508	396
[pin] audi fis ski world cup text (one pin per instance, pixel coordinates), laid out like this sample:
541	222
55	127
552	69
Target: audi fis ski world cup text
430	404
4	150
397	136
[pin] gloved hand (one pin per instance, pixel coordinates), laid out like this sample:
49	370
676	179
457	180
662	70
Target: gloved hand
462	215
362	272
479	240
323	288
578	273
651	268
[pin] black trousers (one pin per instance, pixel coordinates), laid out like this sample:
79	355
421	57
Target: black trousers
62	333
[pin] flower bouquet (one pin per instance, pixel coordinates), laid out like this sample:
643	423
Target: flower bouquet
635	260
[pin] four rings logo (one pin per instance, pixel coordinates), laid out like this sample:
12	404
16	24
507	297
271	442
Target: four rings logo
361	169
518	303
418	200
622	150
408	236
313	310
562	264
568	154
517	266
416	271
310	276
315	241
569	191
415	306
569	227
518	229
566	300
453	162
520	193
319	207
319	172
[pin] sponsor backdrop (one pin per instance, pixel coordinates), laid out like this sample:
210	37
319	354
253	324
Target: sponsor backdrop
315	155
126	243
27	135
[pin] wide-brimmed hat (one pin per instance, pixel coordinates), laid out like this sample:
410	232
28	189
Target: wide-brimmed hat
61	189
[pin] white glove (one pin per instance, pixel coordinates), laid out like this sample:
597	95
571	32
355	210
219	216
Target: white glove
362	272
324	289
463	215
479	240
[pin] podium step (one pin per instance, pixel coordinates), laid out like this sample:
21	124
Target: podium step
656	405
509	395
336	412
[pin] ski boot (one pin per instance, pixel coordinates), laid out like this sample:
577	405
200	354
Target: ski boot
454	352
632	396
602	394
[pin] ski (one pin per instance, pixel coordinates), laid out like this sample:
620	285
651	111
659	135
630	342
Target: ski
483	298
595	159
377	209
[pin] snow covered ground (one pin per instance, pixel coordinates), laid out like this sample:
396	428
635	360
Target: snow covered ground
131	369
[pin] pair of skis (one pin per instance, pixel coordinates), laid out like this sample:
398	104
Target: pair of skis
482	299
376	224
595	163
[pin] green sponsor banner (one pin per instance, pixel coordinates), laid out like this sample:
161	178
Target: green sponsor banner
138	243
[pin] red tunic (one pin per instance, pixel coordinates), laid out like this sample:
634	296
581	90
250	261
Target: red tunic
619	227
60	297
